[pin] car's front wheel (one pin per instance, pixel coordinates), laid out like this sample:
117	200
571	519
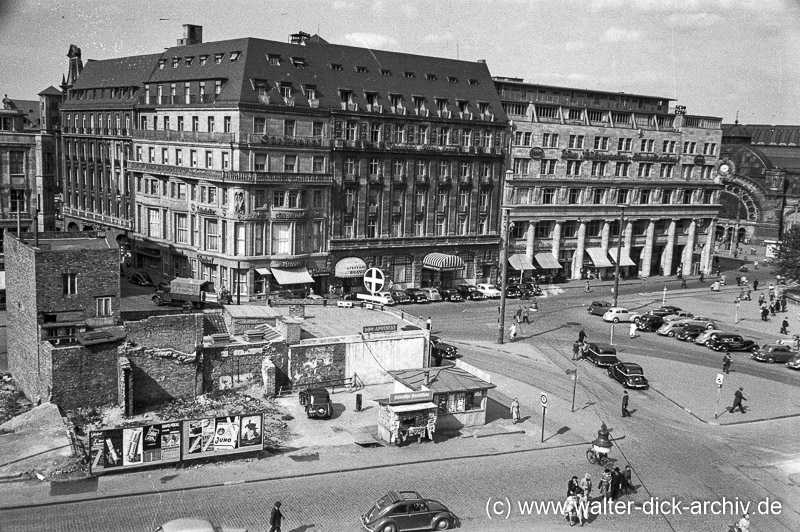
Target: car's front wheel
615	320
389	528
771	360
442	524
709	326
671	334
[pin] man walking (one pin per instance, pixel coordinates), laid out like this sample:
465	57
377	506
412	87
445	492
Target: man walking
785	326
275	518
512	332
581	336
626	479
575	347
755	284
616	482
625	412
525	314
726	363
632	332
737	401
515	410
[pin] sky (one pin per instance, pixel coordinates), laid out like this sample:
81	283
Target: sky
716	57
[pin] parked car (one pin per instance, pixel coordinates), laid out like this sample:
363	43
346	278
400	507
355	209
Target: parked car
140	278
678	316
401	511
318	402
704	321
513	290
671	328
774	353
732	342
416	295
470	292
666	310
794	363
598	308
400	297
689	334
649	323
630	375
195	524
600	354
432	294
533	289
618	314
450	294
488	290
385	298
440	349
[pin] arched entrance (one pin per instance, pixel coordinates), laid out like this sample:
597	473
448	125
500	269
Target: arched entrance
73	227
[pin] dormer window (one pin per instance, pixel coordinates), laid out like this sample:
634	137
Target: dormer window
175	62
408	74
372	98
161	63
396	99
441	104
203	59
218	58
235	56
472	81
361	69
311	92
386	72
418	102
299	62
274	59
430	77
286	90
463	106
452	79
346	96
336	66
188	61
483	107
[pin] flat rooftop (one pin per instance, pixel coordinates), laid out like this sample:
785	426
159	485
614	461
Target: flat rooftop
323	322
69	244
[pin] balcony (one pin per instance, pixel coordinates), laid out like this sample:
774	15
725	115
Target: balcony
349	210
372	210
465	181
444	181
421	180
182	136
350	178
283	140
488	181
180	171
276	178
399	180
376	179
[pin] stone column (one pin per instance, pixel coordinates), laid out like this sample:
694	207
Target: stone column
666	260
556	248
647	256
708	250
577	259
604	236
688	250
628	239
530	243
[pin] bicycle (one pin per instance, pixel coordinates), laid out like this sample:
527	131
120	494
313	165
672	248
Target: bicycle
596	458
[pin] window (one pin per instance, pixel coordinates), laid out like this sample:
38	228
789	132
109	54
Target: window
443	136
465	169
666	197
180	123
281	239
645	169
239	234
667	169
421	168
622	195
574	196
548	166
18	200
419	201
195	123
209	159
335	66
234	56
181	230
290	163
647	145
622	169
687	171
225	160
350	166
573	167
212	235
601	143
153	223
419	227
708	197
624	144
398	168
69	282
274	59
318	164
102	307
575	114
669	146
599	168
351	130
375	133
374	166
689	147
288	128
706	172
463	199
550	140
548	196
178	156
164	155
598	196
483	200
210	124
218	58
520	166
644	198
576	142
687	197
709	148
193	158
316	129
151	155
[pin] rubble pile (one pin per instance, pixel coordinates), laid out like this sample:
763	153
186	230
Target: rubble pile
12	401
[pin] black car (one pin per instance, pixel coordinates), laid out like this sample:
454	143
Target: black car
317	402
140	278
440	350
649	322
601	354
666	310
401	511
450	294
630	375
689	335
532	289
732	342
400	297
469	291
598	308
416	295
513	290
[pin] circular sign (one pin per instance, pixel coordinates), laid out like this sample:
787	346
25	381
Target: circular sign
374	280
536	153
699	160
544	399
724	168
720	377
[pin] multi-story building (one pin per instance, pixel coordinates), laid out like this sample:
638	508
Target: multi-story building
581	158
258	164
28	169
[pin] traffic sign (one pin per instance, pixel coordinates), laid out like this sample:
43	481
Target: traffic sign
374	280
720	378
544	399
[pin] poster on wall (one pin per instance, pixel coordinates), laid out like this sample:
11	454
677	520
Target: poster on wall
222	435
134	446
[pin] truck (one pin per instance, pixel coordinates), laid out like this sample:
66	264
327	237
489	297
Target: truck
186	293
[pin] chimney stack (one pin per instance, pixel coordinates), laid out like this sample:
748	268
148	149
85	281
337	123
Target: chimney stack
192	34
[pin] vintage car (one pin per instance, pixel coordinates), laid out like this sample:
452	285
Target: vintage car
440	349
488	290
671	328
432	293
470	292
649	323
400	297
794	363
666	310
732	342
618	314
689	334
772	353
416	295
401	511
598	308
600	354
450	294
680	315
514	291
317	402
630	375
140	278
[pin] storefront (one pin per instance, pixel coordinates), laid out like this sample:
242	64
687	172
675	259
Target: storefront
596	263
290	275
548	266
407	416
625	260
349	275
521	267
441	269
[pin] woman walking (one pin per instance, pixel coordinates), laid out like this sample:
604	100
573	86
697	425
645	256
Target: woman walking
515	410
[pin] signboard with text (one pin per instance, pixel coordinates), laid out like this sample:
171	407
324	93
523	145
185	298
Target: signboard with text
222	435
379	328
134	446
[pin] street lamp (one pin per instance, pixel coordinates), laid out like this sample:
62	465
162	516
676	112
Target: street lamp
505	234
619	251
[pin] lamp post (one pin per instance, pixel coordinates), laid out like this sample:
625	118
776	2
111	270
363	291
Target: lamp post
619	251
505	235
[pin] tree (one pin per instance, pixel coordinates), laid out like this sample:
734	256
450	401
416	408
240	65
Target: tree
787	260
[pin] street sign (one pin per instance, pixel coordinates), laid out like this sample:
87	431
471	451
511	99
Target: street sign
720	378
544	399
374	280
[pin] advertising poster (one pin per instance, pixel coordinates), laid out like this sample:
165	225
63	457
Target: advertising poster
170	442
112	448
251	431
201	436
226	437
151	445
132	445
97	445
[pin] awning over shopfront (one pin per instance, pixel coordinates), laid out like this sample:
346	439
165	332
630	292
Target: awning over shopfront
412	407
286	276
624	257
547	261
520	262
599	257
441	262
350	267
263	271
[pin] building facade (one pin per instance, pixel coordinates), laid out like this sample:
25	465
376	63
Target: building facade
261	165
590	171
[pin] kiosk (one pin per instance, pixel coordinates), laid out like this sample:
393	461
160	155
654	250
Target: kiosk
407	415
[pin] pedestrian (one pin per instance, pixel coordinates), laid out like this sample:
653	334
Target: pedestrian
572	485
783	302
744	523
632	331
575	347
515	410
738	281
518	315
275	518
726	363
737	401
625	412
512	332
616	482
755	284
761	299
586	484
571	509
773	308
626	479
588	288
747	296
764	312
428	323
605	483
581	336
785	326
683	282
582	506
526	314
755	264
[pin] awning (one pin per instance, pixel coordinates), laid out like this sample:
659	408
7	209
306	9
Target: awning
263	271
292	275
547	261
412	407
624	258
349	268
442	262
520	262
599	257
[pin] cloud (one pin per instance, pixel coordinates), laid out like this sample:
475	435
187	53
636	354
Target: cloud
573	46
438	38
694	20
370	40
615	34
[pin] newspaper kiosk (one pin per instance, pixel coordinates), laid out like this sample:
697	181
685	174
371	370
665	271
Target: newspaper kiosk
407	415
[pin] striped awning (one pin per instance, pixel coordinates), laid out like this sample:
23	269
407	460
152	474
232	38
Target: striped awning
599	257
624	257
547	261
520	262
442	262
350	268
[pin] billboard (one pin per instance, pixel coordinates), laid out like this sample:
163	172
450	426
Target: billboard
134	446
222	435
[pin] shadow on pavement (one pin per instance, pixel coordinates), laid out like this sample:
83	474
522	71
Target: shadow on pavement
496	410
84	485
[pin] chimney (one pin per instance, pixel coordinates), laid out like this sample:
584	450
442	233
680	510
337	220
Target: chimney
427	377
299	38
482	61
192	34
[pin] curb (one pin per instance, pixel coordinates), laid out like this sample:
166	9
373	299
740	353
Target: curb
504	433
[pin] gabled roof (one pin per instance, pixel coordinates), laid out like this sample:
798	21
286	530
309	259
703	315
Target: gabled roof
442	380
31	110
50	91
